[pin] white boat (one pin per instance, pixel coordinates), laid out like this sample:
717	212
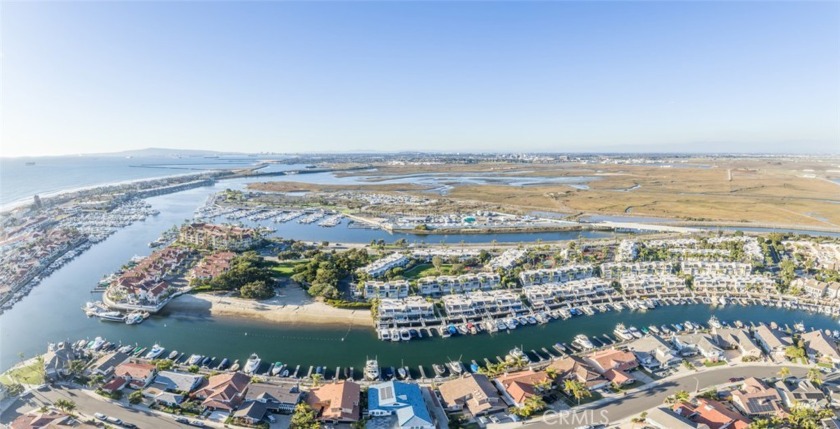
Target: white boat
622	333
251	364
112	316
714	322
583	342
97	343
634	332
371	369
385	334
395	334
799	327
278	366
126	348
173	355
156	351
134	318
405	335
455	367
517	354
654	329
194	359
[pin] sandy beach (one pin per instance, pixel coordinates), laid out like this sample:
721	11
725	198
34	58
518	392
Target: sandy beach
291	305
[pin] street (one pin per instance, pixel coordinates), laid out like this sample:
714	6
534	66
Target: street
637	402
86	406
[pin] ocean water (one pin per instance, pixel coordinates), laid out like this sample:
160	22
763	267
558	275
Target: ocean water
19	181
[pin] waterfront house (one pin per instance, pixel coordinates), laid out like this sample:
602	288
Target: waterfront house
57	362
169	399
138	374
618	270
614	365
336	402
517	387
832	291
250	413
277	398
575	368
409	309
653	352
665	418
223	391
508	259
755	398
692	344
443	285
802	393
820	347
736	339
385	289
556	275
810	287
178	382
212	266
773	343
213	236
474	394
646	284
704	268
106	364
398	405
380	266
713	414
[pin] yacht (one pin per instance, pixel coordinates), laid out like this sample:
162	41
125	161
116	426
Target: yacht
444	332
653	329
689	326
372	369
384	334
439	369
194	359
622	333
134	318
799	327
251	364
405	335
739	324
156	351
223	364
97	343
395	334
665	330
517	354
501	325
455	367
634	332
714	322
126	349
583	342
278	366
402	373
112	316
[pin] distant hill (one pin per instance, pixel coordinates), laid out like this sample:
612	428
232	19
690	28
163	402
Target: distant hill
164	152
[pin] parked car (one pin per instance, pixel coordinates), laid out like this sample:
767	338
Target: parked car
182	420
736	379
100	416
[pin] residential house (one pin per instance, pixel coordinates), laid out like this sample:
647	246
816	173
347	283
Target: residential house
615	365
107	363
380	266
692	344
473	394
575	368
57	362
736	339
653	352
802	393
277	398
810	287
401	404
519	386
223	391
336	402
385	289
179	382
664	418
820	347
114	385
48	419
755	398
773	343
713	414
250	413
138	374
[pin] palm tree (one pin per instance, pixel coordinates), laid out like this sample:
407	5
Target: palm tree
577	389
65	405
815	376
535	403
676	398
95	380
784	372
316	379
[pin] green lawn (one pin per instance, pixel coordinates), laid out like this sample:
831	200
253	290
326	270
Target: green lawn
426	270
286	268
30	374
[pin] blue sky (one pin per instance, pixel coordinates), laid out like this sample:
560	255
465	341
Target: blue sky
453	76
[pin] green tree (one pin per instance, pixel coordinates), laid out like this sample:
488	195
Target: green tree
784	372
256	290
304	417
815	376
577	389
135	397
65	405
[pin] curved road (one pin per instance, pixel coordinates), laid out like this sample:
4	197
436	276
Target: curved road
635	402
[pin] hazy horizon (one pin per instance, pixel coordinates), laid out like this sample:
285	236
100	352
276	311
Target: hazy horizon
356	77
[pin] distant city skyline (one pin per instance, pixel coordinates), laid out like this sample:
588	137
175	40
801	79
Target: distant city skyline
304	77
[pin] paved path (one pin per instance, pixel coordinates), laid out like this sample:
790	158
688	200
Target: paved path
649	396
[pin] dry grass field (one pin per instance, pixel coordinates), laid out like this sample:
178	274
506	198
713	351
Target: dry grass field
762	191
